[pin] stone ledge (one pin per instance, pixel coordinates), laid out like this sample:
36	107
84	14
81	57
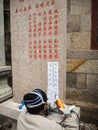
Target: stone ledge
10	109
5	68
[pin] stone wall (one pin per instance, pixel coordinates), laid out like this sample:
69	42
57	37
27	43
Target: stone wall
79	24
82	62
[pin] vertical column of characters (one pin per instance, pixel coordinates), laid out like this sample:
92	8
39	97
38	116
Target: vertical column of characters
55	48
39	49
55	28
45	34
50	33
34	21
44	48
39	34
30	36
50	49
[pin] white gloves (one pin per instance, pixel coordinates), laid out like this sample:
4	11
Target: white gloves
66	111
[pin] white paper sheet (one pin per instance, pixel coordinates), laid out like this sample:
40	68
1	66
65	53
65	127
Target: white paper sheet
53	87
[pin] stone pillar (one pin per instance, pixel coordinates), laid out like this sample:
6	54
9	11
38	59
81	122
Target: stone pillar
38	37
5	90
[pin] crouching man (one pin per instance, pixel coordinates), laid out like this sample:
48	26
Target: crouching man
35	116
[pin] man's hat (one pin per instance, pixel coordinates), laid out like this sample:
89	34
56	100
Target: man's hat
35	98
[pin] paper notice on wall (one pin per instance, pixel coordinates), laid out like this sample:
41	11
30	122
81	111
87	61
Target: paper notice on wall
52	90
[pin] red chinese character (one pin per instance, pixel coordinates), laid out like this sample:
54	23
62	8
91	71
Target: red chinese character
39	41
55	27
42	5
45	56
21	0
55	41
47	4
50	12
29	7
49	40
30	56
50	51
50	56
50	22
52	2
34	41
40	56
39	24
44	34
56	56
35	56
44	13
30	42
39	34
35	51
45	41
30	30
30	35
55	45
55	16
39	14
56	22
34	46
37	6
25	8
44	29
44	23
56	11
39	46
29	23
44	46
56	32
34	25
55	51
50	33
30	17
34	18
50	28
50	46
34	34
30	47
34	21
20	10
39	29
45	51
30	51
50	18
34	30
30	26
34	14
45	18
40	51
16	11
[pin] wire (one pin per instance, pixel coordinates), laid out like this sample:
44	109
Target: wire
72	111
63	120
87	126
